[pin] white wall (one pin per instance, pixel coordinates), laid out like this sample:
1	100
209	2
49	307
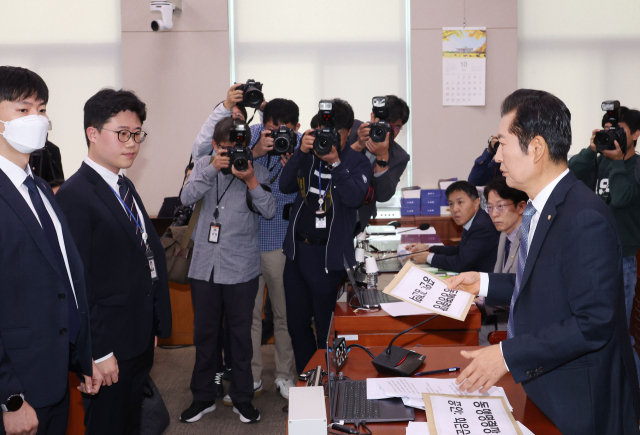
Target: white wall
74	45
584	52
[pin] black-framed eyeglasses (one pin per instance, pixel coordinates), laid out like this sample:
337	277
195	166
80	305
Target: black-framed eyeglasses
124	135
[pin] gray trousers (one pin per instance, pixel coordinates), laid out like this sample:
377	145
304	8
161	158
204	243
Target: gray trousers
272	271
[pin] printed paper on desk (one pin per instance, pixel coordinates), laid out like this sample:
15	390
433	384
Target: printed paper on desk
423	289
453	415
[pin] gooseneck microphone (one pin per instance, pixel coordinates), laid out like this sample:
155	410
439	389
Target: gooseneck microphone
397	361
422	227
402	255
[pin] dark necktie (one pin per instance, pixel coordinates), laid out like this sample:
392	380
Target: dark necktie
507	250
127	197
522	261
463	238
52	239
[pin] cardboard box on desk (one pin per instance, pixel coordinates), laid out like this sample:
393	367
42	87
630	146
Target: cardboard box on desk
430	211
411	202
409	210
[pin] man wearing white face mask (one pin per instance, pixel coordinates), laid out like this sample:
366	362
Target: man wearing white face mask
44	322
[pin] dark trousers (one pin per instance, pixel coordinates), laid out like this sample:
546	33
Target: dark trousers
52	420
224	342
310	293
117	409
208	301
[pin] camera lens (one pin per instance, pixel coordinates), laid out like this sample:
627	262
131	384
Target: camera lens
253	96
241	164
281	145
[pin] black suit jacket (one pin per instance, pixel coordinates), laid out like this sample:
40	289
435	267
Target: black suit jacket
477	254
126	308
385	185
35	353
571	350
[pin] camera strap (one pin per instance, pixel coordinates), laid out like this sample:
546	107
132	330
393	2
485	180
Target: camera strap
216	213
271	169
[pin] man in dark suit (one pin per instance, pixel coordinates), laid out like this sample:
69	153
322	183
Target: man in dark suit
478	246
125	266
567	333
44	321
388	159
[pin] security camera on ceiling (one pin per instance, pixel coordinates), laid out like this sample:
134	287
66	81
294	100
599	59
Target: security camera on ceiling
166	9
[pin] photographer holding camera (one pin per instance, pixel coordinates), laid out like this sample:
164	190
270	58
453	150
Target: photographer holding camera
273	142
331	181
226	264
233	107
485	168
616	184
388	160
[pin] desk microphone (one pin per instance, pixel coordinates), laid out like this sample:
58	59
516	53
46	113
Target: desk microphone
402	255
396	361
423	227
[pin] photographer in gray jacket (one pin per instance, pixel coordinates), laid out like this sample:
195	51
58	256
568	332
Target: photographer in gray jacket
226	264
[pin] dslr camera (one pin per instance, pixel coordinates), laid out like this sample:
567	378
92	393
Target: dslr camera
604	138
378	130
327	135
251	93
239	155
284	141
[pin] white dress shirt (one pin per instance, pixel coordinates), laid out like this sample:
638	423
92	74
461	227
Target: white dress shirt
466	228
112	180
538	202
17	176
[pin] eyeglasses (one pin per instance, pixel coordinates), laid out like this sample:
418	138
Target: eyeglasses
124	135
397	128
500	208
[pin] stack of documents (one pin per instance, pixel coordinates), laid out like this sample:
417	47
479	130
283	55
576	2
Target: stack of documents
410	389
422	428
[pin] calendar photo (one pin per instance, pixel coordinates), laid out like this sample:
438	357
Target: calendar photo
464	57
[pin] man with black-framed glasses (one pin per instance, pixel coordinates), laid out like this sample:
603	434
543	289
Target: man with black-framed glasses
505	206
388	159
124	261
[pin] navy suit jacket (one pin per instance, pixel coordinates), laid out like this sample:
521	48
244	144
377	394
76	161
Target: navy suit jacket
478	252
126	308
571	350
35	353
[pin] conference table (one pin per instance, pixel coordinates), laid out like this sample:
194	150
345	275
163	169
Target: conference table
359	367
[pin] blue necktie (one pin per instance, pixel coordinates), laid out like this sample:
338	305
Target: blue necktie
529	211
463	238
507	251
127	197
52	239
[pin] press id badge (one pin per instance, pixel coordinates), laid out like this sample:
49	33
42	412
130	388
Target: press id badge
152	266
214	232
321	222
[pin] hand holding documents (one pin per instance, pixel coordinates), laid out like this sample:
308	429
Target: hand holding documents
423	289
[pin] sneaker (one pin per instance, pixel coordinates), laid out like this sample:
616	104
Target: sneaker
247	413
196	411
283	386
257	390
227	374
219	388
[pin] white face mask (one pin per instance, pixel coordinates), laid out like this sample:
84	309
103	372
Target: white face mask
27	134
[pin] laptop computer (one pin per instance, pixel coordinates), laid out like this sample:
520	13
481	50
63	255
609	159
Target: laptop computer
367	298
348	399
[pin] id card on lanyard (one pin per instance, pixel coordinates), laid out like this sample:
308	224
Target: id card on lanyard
149	252
214	228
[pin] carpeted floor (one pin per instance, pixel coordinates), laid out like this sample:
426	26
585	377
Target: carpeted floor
172	374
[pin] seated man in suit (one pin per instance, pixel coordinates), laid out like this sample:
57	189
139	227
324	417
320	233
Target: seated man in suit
505	206
44	318
568	340
478	246
124	261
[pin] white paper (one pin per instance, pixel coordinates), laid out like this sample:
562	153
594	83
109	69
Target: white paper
424	290
399	309
525	430
413	388
472	415
418	428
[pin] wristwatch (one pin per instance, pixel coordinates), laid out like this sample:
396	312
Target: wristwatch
382	163
13	403
334	165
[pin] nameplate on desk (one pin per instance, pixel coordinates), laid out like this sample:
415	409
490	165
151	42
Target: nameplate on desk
424	289
451	415
349	337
